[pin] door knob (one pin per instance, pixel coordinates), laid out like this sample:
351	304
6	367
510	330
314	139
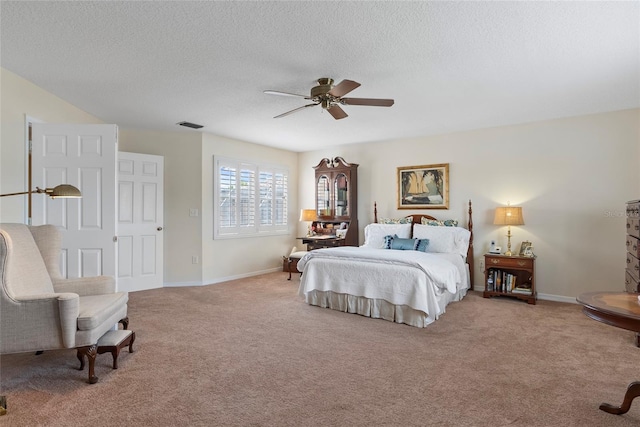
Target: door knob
159	228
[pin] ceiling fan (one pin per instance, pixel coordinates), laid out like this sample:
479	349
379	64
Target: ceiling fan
330	97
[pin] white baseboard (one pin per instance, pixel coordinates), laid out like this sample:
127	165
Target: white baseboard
547	297
222	279
181	284
558	298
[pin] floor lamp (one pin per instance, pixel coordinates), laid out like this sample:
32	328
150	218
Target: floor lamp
62	191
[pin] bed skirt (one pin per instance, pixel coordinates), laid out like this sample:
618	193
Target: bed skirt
374	308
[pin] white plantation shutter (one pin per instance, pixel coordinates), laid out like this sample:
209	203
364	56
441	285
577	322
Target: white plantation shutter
266	198
281	205
250	198
247	198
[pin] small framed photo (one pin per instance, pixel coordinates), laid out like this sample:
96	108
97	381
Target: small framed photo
523	248
529	251
423	187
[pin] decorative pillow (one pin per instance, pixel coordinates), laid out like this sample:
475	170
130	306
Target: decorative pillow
388	239
421	245
444	239
374	233
439	223
398	243
406	220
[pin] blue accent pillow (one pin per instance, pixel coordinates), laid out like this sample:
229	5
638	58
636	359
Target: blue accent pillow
397	243
403	244
421	245
387	241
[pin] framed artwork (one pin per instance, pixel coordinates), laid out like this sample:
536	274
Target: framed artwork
523	248
529	251
423	187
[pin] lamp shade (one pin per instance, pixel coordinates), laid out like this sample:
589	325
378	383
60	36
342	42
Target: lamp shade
509	215
63	191
308	215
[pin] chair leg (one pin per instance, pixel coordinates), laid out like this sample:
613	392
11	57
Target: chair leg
90	351
125	322
289	268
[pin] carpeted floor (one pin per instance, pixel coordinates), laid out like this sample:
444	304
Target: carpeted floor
251	353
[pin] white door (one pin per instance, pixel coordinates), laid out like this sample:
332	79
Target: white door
85	157
140	221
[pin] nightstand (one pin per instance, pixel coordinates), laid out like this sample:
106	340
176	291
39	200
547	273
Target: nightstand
510	276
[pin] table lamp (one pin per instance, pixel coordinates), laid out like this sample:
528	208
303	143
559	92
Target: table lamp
308	215
509	215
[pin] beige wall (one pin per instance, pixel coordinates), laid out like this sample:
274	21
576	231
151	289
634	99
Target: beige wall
188	169
20	98
234	258
571	176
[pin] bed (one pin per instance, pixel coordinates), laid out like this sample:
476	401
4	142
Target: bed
412	284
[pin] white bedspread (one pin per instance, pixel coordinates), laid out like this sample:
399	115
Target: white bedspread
412	278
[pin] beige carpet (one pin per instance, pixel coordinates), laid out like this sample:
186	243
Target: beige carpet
251	353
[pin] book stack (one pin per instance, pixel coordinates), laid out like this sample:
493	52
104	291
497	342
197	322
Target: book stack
503	281
524	289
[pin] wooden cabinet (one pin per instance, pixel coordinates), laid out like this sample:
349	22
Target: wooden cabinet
632	273
337	201
322	241
511	276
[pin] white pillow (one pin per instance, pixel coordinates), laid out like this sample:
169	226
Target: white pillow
444	239
374	233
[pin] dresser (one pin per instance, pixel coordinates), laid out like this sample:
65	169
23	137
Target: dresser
632	273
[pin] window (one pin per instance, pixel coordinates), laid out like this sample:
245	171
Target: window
250	199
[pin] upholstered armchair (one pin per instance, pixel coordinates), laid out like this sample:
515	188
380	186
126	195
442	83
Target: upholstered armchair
41	310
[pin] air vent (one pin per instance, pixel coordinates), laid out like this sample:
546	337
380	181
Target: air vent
190	125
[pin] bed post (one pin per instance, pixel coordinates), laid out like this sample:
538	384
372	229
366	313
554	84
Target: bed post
375	212
470	250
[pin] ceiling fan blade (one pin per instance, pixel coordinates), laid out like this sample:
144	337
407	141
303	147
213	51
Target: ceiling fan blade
337	112
294	110
277	92
343	88
375	102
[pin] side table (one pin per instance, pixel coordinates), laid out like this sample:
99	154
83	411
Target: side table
620	309
509	276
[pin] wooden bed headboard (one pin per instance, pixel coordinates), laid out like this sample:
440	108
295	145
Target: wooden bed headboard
417	219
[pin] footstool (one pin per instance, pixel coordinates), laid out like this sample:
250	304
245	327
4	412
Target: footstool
113	341
294	257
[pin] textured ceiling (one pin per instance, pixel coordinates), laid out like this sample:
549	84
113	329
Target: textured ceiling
450	66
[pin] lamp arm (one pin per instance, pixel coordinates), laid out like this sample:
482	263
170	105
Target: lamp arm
37	190
15	194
